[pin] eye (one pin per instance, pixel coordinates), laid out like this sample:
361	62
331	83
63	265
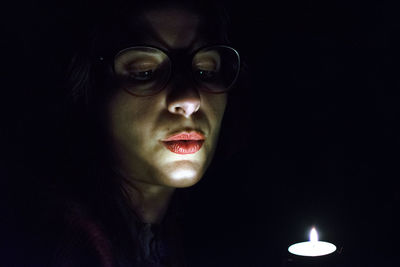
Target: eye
140	70
206	65
205	75
139	64
206	70
142	75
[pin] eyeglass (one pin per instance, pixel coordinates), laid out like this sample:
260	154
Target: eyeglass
146	70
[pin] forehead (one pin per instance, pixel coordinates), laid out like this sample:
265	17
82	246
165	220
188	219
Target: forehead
169	28
174	27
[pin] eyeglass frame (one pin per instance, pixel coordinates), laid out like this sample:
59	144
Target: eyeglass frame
172	56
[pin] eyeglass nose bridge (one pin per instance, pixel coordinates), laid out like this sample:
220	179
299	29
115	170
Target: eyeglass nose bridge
181	73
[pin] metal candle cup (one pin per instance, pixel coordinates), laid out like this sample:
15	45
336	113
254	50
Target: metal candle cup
312	248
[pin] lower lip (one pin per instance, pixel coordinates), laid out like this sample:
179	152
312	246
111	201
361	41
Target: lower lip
184	147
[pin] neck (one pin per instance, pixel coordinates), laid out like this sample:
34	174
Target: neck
150	202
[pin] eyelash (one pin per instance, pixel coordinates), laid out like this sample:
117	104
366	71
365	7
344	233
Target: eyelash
142	75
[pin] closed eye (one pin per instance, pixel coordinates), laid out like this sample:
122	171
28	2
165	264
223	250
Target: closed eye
141	71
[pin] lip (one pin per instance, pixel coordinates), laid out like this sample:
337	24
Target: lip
193	135
184	142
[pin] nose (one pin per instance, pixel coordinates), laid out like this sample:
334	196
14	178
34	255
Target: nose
184	102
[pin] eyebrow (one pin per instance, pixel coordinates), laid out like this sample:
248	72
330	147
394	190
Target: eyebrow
193	46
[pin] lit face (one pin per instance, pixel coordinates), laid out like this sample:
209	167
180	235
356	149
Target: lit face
138	125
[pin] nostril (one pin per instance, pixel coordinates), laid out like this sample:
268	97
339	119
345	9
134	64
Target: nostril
186	108
179	110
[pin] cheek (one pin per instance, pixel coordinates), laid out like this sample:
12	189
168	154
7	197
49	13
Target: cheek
216	105
130	118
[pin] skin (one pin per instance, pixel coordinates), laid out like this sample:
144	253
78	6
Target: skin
137	124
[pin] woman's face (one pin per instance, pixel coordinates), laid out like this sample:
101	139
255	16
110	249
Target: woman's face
139	126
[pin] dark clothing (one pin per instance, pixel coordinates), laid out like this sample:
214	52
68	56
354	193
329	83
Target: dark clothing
74	235
87	241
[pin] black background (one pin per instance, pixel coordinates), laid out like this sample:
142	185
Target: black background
323	127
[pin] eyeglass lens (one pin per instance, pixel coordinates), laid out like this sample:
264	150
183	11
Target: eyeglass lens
145	71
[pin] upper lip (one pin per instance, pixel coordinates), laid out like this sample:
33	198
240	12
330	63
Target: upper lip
185	135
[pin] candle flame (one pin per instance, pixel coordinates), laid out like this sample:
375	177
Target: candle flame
313	235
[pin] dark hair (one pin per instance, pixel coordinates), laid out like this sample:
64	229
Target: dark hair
86	177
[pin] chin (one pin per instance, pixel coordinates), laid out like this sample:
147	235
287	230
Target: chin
183	174
184	180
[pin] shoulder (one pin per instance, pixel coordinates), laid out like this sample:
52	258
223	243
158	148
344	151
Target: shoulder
83	240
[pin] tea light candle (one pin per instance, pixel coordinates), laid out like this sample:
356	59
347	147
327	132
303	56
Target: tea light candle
313	247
